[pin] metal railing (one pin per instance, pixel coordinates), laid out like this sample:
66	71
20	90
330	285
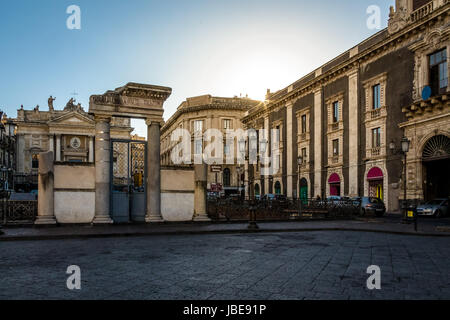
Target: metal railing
281	210
18	212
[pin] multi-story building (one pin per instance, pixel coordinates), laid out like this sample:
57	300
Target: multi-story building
341	125
199	114
7	152
69	133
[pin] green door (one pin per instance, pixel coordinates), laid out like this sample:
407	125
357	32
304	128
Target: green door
304	191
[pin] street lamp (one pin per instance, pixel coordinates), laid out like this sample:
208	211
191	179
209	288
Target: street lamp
405	149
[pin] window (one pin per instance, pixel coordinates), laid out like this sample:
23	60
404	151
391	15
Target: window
438	71
198	147
226	149
304	124
376	97
198	126
304	155
227	124
336	147
35	161
376	138
336	112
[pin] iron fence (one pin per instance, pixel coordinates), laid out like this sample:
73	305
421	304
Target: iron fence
274	210
13	212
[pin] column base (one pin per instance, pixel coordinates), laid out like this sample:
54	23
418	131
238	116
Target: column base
201	218
45	220
102	220
154	219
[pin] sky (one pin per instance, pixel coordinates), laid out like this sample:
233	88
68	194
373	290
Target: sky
220	47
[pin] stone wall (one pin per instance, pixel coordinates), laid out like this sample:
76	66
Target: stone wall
177	193
74	193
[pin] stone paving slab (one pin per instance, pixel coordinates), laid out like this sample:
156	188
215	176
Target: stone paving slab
393	225
257	266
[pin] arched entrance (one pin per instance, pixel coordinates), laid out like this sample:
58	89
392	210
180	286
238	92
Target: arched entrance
335	185
226	177
278	188
303	189
436	161
257	191
375	178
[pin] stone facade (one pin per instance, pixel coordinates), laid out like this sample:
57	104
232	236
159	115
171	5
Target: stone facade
353	111
68	133
207	112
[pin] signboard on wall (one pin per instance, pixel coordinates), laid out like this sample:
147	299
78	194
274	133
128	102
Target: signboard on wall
216	168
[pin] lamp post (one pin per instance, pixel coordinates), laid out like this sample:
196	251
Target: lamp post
404	149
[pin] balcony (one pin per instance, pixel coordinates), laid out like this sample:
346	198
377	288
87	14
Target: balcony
422	12
375	152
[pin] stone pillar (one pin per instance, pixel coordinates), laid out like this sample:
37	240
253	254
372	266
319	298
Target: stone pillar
201	177
102	170
354	121
318	142
154	173
289	151
51	143
247	187
46	211
58	147
91	149
266	156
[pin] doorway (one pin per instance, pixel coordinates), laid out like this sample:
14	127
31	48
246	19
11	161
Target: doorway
128	187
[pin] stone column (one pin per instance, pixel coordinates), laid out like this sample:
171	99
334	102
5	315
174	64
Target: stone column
91	149
154	173
46	211
266	156
318	142
58	147
247	182
201	177
354	121
289	151
102	170
51	143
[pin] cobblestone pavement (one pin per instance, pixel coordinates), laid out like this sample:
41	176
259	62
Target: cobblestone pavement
307	265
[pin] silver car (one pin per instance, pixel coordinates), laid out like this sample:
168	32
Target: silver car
437	208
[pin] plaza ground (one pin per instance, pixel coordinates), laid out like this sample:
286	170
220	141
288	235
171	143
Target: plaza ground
304	265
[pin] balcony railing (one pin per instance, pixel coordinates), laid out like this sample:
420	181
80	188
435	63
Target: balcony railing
376	151
376	113
422	12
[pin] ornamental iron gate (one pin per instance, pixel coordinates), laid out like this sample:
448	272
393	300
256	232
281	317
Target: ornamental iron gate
128	187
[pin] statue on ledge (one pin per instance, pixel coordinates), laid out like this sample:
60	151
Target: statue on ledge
71	106
50	103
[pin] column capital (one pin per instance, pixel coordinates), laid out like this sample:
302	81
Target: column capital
150	122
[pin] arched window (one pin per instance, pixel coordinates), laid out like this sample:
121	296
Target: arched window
277	188
257	190
226	177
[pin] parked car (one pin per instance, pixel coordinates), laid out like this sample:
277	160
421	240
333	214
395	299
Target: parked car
334	198
373	205
268	197
437	208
